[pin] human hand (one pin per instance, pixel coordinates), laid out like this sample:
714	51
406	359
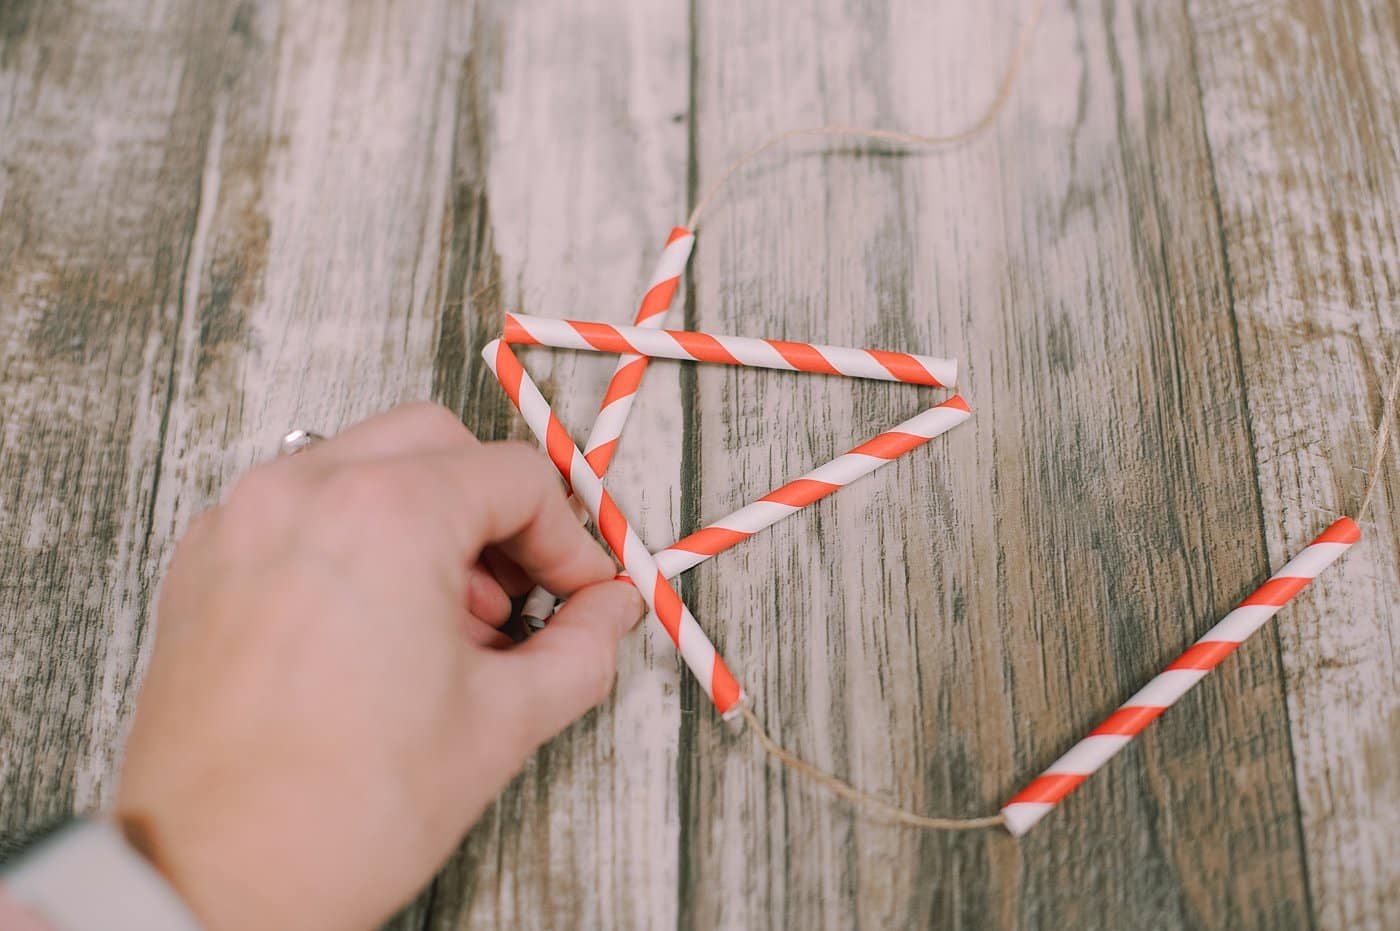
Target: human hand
329	704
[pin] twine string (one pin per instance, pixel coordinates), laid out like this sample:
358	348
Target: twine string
881	808
1382	442
839	787
985	120
859	797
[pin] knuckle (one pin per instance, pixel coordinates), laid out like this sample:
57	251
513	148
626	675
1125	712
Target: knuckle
260	494
260	507
525	453
435	420
360	489
528	463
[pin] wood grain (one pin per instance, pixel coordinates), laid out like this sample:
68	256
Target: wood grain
105	116
948	627
1171	273
572	148
1301	104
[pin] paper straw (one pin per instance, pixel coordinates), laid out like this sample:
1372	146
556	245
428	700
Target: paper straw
627	377
622	387
731	350
695	648
1064	775
788	499
699	546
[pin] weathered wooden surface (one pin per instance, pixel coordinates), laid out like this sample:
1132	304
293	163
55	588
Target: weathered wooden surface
1171	272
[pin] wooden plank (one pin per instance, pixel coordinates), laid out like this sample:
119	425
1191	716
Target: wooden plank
1302	103
941	632
570	171
103	119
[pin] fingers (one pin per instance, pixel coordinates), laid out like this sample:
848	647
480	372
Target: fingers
571	664
421	426
513	500
416	479
486	636
486	599
510	576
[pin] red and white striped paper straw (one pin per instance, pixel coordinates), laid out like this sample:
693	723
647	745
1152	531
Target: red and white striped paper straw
731	350
732	529
627	377
1064	775
695	648
699	546
622	387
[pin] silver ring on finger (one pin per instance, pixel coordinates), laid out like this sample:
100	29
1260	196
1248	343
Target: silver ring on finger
298	441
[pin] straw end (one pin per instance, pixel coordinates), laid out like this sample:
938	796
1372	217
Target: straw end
947	373
735	716
957	403
1344	530
1020	817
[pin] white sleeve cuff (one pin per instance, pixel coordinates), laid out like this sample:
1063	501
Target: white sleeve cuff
86	877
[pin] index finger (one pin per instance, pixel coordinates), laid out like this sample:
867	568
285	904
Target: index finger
513	499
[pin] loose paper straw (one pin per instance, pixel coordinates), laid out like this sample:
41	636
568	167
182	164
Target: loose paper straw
699	546
1064	775
731	350
695	648
622	388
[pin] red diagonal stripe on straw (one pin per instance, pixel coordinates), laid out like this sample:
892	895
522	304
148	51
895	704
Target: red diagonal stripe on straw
612	525
703	347
626	380
560	447
1125	722
601	336
957	403
515	333
1342	531
1049	788
599	457
509	371
800	492
1205	655
904	367
710	540
658	299
668	608
890	445
803	357
723	685
1276	592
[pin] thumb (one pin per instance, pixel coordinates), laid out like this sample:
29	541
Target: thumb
570	666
